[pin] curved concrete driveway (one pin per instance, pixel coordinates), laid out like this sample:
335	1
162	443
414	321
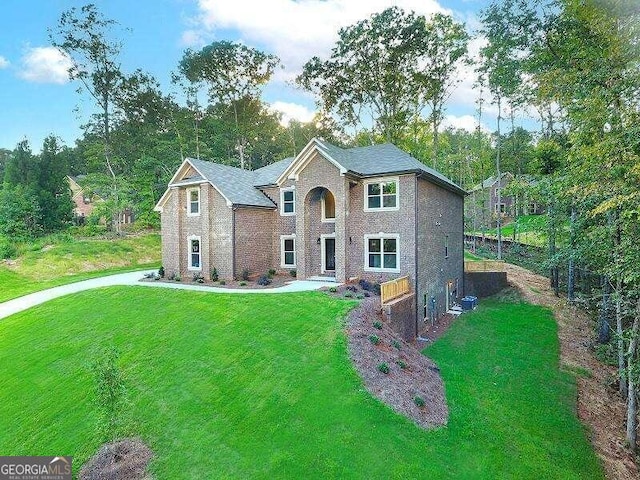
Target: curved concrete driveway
133	278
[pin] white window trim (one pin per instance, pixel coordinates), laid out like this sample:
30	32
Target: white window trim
282	212
295	256
189	266
189	213
498	209
381	236
324	219
323	251
381	208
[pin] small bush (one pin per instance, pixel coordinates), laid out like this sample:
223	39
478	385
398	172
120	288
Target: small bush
243	283
384	368
348	294
376	288
366	294
293	273
375	339
365	285
222	282
352	288
152	276
359	296
419	401
198	278
401	364
333	289
396	344
377	324
214	274
271	273
7	248
177	278
161	272
264	280
245	274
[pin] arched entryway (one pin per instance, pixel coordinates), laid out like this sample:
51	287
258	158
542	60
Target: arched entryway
320	243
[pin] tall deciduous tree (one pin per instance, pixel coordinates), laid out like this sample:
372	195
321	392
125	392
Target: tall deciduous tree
232	73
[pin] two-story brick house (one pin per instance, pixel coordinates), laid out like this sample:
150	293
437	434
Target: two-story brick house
369	212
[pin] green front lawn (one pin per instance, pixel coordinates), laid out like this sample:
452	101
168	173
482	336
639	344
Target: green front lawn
261	386
66	259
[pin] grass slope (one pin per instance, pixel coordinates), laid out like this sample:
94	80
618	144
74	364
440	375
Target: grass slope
68	259
241	386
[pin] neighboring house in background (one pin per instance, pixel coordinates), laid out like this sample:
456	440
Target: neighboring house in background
372	213
483	201
84	202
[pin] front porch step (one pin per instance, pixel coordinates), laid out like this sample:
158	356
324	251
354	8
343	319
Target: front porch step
321	279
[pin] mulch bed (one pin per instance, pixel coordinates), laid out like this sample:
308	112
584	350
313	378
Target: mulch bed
400	387
278	280
125	459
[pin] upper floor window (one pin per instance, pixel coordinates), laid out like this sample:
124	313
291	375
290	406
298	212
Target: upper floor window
287	201
381	195
328	207
193	207
381	253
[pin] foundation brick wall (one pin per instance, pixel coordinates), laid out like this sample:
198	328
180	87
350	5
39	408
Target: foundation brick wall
439	215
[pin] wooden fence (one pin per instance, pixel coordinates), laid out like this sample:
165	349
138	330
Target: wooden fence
394	289
484	266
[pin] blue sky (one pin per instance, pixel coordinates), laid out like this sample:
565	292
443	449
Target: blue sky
37	100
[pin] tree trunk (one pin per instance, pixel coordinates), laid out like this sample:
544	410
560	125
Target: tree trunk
632	407
619	331
571	274
552	246
604	328
499	189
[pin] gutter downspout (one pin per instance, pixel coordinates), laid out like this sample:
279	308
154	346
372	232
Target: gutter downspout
233	242
415	202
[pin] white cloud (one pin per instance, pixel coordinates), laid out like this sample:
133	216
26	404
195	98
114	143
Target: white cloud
296	30
191	38
464	122
4	63
45	65
292	111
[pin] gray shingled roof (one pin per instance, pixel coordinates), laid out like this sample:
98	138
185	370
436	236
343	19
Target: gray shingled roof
383	159
268	174
235	184
239	186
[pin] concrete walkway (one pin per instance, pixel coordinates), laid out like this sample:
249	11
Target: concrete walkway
133	278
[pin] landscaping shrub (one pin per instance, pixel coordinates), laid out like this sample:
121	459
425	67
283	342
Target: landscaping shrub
198	278
360	296
377	324
375	339
366	285
243	283
152	276
333	289
161	272
384	368
348	294
419	401
222	282
177	278
352	288
245	274
401	364
264	280
110	392
366	294
293	273
7	248
396	344
214	274
271	273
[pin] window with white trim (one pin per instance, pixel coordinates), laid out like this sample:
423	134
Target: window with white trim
287	201
193	201
446	246
500	208
287	251
381	253
328	207
381	195
195	253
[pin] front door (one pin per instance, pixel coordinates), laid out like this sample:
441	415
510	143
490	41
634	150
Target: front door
329	254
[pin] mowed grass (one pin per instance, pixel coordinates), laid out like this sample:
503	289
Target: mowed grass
65	260
471	257
261	386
